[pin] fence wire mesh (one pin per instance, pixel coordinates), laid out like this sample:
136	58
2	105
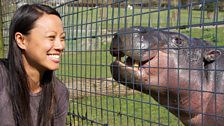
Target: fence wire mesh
139	62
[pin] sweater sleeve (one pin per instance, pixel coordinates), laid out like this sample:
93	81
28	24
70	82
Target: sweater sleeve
62	107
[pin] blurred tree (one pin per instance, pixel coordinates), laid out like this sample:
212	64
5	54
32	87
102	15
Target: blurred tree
174	13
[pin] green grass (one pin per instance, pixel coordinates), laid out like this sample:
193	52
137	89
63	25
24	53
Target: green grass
108	18
1	47
93	64
213	35
134	110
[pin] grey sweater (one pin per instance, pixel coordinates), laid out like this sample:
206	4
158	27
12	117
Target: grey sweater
6	116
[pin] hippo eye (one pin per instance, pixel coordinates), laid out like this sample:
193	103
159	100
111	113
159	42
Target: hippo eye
178	40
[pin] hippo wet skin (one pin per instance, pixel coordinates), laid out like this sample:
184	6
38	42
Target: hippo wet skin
182	73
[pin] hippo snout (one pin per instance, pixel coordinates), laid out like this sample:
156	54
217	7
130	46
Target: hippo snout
115	49
131	42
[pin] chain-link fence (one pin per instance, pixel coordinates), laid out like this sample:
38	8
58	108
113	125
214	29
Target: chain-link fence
139	62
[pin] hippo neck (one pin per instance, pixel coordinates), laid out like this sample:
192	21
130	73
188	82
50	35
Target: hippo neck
196	100
193	105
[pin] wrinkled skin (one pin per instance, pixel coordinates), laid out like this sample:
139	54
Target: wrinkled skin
183	74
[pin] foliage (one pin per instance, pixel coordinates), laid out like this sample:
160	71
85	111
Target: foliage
210	7
213	35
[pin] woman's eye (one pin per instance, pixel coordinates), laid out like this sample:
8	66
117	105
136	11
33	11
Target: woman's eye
51	37
63	38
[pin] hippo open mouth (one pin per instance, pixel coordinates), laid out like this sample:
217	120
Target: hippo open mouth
137	61
132	64
139	74
135	72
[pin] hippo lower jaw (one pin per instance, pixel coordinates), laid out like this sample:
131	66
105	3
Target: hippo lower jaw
132	73
140	72
127	70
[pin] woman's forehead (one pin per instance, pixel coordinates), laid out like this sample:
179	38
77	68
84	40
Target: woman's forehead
48	22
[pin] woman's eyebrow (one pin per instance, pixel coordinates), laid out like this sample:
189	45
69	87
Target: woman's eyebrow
50	32
63	33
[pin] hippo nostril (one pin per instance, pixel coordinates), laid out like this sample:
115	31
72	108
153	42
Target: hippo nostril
143	30
115	35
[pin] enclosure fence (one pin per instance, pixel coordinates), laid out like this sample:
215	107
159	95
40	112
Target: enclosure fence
136	62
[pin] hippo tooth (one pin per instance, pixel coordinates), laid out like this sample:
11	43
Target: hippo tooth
136	64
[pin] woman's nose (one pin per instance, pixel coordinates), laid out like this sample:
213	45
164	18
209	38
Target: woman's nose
59	44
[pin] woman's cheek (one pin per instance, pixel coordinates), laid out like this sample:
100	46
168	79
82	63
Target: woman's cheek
49	45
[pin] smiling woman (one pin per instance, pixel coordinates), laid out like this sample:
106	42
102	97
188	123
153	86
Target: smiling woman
43	49
29	91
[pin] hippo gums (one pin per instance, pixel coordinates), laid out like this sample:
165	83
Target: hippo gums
182	73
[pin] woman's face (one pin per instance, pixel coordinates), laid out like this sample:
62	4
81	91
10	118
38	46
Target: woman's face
44	44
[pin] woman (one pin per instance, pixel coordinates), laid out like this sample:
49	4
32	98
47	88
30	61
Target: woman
30	94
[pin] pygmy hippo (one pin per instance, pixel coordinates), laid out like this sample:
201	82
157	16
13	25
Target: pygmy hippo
183	74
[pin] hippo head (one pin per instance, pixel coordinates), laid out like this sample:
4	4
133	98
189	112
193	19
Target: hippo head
148	58
156	62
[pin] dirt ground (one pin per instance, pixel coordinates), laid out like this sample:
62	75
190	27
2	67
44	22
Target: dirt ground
79	88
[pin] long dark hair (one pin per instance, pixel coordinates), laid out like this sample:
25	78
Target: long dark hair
19	93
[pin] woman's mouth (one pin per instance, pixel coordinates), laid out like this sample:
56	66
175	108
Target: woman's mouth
55	58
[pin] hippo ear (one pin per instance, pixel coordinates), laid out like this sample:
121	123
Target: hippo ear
211	55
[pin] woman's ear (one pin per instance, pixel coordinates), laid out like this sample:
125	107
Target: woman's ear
20	40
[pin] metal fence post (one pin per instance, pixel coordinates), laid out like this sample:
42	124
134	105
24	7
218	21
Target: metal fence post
1	33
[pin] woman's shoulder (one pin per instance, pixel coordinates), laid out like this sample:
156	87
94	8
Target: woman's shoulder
60	89
60	85
62	97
